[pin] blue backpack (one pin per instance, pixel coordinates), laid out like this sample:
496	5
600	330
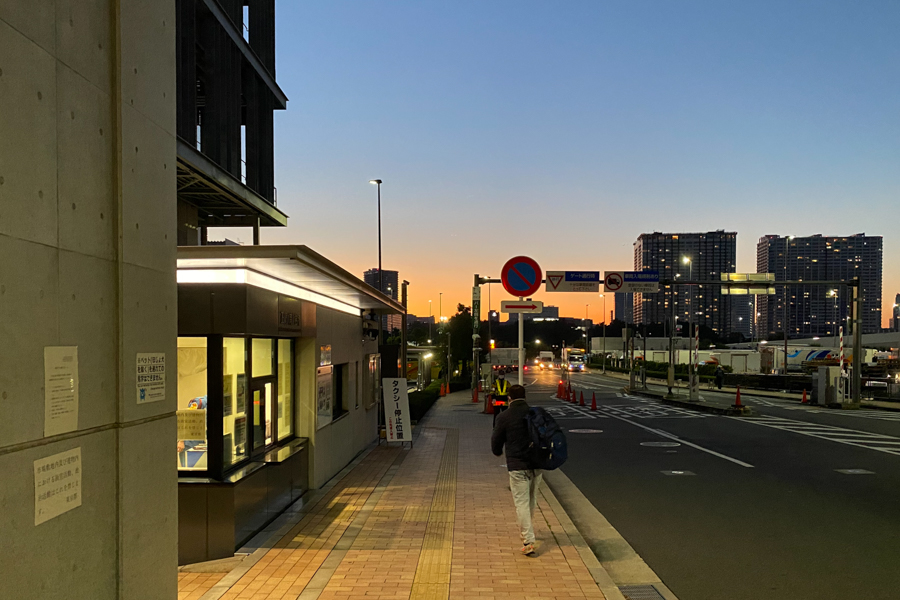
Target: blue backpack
548	442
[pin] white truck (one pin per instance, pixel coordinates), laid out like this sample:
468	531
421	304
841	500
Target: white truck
573	360
546	360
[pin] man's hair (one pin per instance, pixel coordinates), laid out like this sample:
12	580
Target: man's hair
516	392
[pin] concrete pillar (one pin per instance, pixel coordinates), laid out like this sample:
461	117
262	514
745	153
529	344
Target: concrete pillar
87	260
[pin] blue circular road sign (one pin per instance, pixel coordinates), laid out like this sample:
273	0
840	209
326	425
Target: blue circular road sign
521	276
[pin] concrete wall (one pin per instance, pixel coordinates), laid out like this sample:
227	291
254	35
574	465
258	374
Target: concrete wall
87	259
333	446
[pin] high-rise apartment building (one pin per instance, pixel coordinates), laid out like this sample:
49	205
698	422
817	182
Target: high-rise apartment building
895	320
391	288
814	310
625	308
686	256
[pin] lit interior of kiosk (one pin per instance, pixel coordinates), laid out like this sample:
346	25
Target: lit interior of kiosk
249	320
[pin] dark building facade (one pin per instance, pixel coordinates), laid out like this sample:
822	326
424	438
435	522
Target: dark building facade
709	254
391	283
815	310
625	308
895	317
226	96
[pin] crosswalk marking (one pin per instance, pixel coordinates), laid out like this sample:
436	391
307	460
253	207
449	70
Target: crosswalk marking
871	441
862	413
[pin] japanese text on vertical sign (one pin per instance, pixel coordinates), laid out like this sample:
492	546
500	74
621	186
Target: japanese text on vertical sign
57	485
396	410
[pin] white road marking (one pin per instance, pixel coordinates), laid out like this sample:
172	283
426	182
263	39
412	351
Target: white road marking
860	439
671	436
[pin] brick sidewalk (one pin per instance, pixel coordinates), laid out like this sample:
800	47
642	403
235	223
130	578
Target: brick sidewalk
434	522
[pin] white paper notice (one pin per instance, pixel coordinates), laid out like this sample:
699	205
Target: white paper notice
151	377
396	410
57	485
60	389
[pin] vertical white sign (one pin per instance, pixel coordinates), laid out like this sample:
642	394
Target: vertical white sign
60	389
324	400
396	410
57	485
151	377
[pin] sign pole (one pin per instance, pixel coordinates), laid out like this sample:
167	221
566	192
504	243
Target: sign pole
521	346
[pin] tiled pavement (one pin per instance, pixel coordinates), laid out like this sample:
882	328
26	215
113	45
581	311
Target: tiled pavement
192	586
434	522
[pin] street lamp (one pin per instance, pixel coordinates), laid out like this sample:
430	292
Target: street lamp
687	261
377	182
381	321
430	320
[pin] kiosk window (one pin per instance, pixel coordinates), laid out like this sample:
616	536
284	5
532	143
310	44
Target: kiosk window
285	389
192	401
234	398
262	357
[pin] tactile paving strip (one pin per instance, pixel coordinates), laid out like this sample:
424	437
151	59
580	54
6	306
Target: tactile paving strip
432	581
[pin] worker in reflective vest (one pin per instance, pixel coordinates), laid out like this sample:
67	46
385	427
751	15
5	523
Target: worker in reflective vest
501	395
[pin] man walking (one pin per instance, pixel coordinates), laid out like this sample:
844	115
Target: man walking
511	430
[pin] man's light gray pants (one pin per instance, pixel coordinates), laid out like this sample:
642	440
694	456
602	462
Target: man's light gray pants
524	486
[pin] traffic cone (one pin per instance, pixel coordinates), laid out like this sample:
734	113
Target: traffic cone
443	393
593	401
560	390
572	396
737	399
581	399
804	401
475	396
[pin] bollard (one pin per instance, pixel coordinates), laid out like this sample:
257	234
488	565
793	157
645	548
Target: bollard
581	399
593	401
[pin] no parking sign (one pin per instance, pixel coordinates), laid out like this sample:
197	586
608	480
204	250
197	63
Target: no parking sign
521	276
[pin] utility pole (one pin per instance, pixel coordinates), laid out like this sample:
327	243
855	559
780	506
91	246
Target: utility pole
476	322
403	334
670	376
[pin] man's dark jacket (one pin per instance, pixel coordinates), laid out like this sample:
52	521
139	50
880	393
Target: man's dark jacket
511	429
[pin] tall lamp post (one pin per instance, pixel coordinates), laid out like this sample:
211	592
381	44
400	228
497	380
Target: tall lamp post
587	349
377	182
787	240
430	320
687	260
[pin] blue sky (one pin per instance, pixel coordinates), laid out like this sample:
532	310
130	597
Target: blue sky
563	130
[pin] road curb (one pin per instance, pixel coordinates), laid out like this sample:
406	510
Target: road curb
610	559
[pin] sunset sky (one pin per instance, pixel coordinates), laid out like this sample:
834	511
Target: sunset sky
562	131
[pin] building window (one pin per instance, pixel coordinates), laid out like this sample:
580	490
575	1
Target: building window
341	390
234	401
192	402
285	389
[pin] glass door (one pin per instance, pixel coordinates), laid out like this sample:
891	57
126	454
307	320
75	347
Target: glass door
262	396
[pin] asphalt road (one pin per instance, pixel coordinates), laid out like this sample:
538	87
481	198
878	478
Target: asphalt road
737	508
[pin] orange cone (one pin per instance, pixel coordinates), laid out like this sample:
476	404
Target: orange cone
804	401
560	390
443	391
581	399
737	398
572	396
593	401
475	396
